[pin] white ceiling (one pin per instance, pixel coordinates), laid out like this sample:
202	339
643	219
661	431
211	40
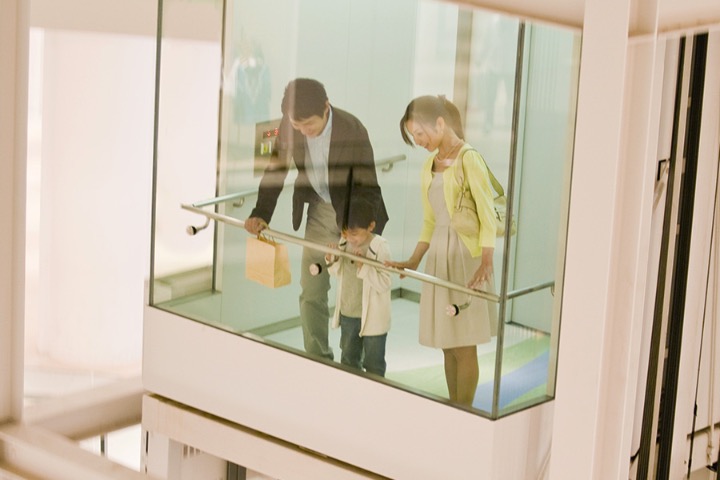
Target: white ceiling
673	14
123	15
686	14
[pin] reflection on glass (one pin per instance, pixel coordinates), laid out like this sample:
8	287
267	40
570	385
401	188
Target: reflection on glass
372	58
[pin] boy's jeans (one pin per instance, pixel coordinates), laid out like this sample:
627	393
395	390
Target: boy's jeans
366	352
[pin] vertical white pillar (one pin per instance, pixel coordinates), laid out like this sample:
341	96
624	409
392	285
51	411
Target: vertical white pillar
158	451
582	408
13	127
164	457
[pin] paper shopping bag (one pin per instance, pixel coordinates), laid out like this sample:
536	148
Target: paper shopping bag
267	262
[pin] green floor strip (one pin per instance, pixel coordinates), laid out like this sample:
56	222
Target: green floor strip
432	379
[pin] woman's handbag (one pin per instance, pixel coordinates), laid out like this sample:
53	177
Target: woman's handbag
500	203
465	219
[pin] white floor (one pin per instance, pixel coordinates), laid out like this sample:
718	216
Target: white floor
403	352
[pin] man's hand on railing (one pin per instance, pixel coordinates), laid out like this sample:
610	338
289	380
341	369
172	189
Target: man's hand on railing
255	225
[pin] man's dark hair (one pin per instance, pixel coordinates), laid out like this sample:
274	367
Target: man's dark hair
361	213
304	98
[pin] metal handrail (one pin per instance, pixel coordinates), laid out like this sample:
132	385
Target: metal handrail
192	230
340	253
535	288
386	164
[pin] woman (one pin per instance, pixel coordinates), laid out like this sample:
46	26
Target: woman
433	122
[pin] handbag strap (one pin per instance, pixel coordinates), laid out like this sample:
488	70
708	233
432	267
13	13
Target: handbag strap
460	172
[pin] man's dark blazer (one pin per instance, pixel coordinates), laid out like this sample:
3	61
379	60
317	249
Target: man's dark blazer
351	172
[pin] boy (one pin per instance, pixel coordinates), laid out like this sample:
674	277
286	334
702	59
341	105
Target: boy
362	308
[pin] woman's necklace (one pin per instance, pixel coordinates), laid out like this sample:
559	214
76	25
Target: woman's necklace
444	160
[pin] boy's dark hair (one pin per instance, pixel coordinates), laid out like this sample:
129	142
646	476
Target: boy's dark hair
361	213
304	98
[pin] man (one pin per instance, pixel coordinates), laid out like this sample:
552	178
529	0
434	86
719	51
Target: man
334	160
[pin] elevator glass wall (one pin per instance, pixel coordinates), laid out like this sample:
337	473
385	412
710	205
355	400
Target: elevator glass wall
222	69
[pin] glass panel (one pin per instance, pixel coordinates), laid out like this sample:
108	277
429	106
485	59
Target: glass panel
221	82
541	188
489	127
186	154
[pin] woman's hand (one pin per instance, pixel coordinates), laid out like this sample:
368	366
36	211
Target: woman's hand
414	260
406	265
484	273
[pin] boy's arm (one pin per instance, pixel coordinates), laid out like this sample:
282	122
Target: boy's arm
378	279
334	262
334	268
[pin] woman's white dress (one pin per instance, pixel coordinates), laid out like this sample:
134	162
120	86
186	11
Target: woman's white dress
448	258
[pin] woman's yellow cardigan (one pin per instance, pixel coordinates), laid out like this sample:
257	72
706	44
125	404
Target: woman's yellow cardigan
476	175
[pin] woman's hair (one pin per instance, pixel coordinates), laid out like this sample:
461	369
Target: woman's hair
304	98
427	109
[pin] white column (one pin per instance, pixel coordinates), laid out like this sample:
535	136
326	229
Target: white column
583	411
164	457
627	321
13	123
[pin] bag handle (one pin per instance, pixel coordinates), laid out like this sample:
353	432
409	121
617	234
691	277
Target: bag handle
460	172
264	237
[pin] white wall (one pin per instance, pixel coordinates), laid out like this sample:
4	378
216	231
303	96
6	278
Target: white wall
133	17
382	429
89	247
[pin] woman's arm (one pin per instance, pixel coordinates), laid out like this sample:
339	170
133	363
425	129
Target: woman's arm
484	272
479	181
412	263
